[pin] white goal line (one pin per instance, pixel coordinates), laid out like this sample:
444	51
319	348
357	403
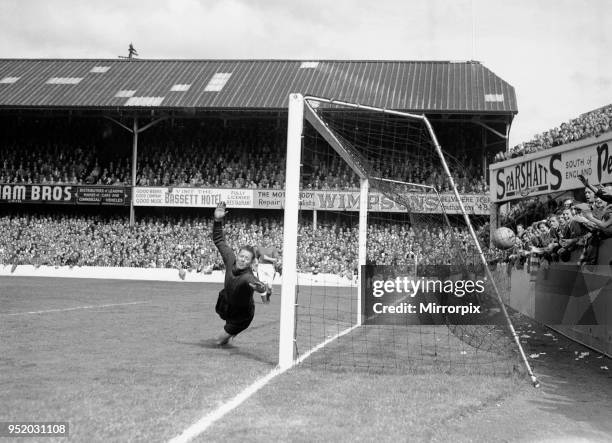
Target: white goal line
75	308
205	422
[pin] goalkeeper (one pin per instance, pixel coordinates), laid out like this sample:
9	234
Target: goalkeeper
235	304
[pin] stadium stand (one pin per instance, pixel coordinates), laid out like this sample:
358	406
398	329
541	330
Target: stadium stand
233	138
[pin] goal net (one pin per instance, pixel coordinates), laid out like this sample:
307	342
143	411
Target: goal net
382	267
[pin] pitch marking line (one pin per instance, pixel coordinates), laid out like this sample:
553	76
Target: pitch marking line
77	308
205	422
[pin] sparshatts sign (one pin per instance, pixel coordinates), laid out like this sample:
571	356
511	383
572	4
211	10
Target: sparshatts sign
553	170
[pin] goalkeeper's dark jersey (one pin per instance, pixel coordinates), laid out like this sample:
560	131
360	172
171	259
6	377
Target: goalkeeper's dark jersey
238	293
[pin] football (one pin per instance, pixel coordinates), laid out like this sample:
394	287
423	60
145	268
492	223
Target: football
503	238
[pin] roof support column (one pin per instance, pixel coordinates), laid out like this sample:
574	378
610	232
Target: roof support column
135	130
134	158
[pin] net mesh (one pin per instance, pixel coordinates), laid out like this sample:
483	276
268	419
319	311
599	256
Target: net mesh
414	223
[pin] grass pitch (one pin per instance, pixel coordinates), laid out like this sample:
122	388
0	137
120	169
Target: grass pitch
134	361
126	372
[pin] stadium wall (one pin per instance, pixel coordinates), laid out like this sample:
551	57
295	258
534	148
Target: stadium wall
577	302
154	274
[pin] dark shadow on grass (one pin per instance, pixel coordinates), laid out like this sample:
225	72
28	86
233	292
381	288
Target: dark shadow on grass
209	343
263	325
577	399
250	355
574	385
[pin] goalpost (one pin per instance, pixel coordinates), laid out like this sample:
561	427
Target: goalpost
333	315
288	316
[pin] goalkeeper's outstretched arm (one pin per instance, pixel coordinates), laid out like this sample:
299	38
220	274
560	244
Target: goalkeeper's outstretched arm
219	237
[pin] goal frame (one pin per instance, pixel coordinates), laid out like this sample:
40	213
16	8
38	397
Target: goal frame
300	110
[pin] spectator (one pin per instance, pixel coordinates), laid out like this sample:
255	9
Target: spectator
587	125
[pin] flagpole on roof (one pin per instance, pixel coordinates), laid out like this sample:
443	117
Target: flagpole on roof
473	30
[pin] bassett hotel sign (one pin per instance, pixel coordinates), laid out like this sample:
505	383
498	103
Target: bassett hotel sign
192	197
553	170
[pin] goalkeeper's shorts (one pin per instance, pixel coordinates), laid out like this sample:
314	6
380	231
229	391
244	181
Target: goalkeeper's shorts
237	318
265	273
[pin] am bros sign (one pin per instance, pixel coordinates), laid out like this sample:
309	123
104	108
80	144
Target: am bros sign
64	194
553	170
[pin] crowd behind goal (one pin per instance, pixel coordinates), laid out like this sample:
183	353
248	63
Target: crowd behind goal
183	242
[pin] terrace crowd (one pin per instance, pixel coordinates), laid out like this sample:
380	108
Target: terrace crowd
587	125
552	232
220	166
185	242
250	155
59	163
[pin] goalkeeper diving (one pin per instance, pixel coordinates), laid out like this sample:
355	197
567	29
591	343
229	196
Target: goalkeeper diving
235	304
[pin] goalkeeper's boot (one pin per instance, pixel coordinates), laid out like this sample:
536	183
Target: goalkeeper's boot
223	339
